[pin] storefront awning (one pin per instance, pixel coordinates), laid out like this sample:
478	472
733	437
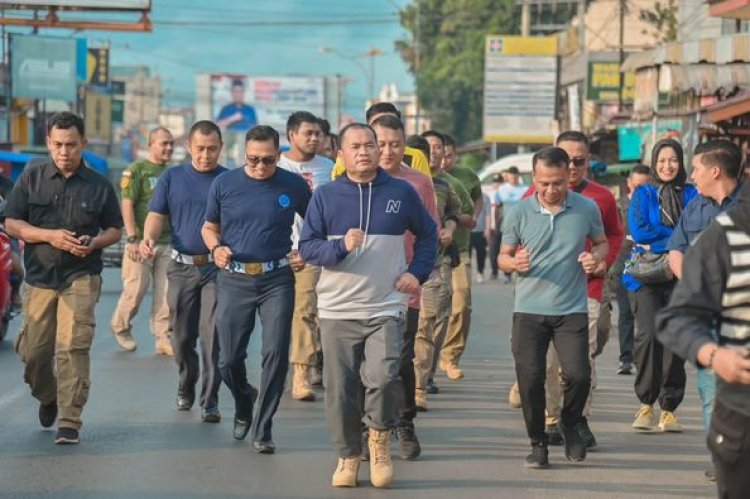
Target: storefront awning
727	109
722	50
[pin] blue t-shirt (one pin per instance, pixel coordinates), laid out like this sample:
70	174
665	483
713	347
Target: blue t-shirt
256	216
181	193
249	119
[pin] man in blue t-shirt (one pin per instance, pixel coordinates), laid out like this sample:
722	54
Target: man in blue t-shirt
248	230
237	116
180	197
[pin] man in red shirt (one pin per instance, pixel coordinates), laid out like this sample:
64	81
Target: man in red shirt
576	144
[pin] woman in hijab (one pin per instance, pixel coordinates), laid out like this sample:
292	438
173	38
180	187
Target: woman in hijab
654	211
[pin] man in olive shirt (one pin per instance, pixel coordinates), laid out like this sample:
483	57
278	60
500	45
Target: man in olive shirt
66	213
137	186
465	180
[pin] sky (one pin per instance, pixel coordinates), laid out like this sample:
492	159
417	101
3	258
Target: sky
264	37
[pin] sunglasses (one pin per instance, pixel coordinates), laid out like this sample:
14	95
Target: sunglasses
254	160
578	162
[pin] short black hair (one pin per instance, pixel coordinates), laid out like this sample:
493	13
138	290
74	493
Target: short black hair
65	120
237	82
420	143
551	156
389	121
449	141
296	119
722	153
380	108
335	145
640	169
205	127
263	133
353	126
325	126
573	136
433	133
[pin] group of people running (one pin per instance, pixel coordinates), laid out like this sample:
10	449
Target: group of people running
364	264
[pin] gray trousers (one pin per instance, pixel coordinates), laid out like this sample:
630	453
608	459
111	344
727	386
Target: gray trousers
360	353
191	296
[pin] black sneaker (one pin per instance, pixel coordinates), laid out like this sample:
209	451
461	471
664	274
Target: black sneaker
48	414
432	388
586	434
66	436
553	435
185	399
710	475
365	456
408	444
626	368
211	415
539	457
575	449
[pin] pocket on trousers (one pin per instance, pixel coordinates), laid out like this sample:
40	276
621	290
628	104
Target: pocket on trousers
725	441
20	337
82	393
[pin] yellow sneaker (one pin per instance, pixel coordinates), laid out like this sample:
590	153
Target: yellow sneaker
514	397
645	419
301	389
381	467
668	422
163	347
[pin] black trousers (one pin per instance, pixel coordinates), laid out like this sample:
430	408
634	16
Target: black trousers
729	442
495	241
625	321
408	407
191	296
661	374
479	244
530	340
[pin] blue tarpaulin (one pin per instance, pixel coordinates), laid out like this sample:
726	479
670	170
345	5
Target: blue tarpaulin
18	160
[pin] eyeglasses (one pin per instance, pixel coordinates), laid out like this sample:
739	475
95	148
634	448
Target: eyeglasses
577	162
267	160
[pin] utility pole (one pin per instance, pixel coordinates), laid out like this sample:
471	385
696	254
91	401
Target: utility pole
622	55
525	18
417	41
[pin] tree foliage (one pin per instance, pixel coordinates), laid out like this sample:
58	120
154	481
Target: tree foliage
446	56
663	20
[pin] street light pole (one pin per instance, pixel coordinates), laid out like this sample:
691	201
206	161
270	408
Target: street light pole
369	74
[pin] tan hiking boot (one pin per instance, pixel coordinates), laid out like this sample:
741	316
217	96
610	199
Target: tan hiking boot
668	422
126	341
163	347
644	418
514	397
381	467
346	472
453	372
301	389
420	400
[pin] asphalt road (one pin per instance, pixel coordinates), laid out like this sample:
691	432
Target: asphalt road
134	444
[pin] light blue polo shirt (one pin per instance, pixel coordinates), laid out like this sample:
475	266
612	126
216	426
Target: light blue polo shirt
556	282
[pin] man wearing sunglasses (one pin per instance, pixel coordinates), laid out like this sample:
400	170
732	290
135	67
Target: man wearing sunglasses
577	146
248	231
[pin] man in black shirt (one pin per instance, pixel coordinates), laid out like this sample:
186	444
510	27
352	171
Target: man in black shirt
66	213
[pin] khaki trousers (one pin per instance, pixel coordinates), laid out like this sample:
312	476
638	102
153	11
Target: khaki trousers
433	322
56	336
554	383
136	278
460	319
305	340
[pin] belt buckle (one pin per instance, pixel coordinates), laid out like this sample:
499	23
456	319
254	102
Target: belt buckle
200	259
253	268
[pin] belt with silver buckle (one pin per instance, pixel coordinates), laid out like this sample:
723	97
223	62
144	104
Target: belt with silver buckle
258	268
191	259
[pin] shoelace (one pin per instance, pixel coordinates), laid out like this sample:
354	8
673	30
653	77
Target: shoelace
381	455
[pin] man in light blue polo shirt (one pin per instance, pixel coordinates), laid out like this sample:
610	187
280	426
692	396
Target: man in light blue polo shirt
544	241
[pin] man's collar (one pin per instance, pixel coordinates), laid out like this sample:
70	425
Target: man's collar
541	209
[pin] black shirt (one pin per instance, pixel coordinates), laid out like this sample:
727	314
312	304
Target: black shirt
84	203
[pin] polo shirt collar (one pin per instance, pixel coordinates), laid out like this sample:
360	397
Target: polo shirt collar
538	207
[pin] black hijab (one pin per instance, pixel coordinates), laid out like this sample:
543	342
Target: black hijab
670	193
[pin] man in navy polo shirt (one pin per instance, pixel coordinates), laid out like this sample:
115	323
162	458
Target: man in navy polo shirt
248	230
180	198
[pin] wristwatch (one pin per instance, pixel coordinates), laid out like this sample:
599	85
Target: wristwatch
132	239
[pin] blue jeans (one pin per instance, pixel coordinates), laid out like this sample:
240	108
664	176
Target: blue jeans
239	297
706	382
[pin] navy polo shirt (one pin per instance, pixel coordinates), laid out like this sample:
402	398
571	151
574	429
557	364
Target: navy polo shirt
696	217
181	194
256	216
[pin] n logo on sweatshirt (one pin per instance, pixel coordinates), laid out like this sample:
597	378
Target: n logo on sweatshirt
393	206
